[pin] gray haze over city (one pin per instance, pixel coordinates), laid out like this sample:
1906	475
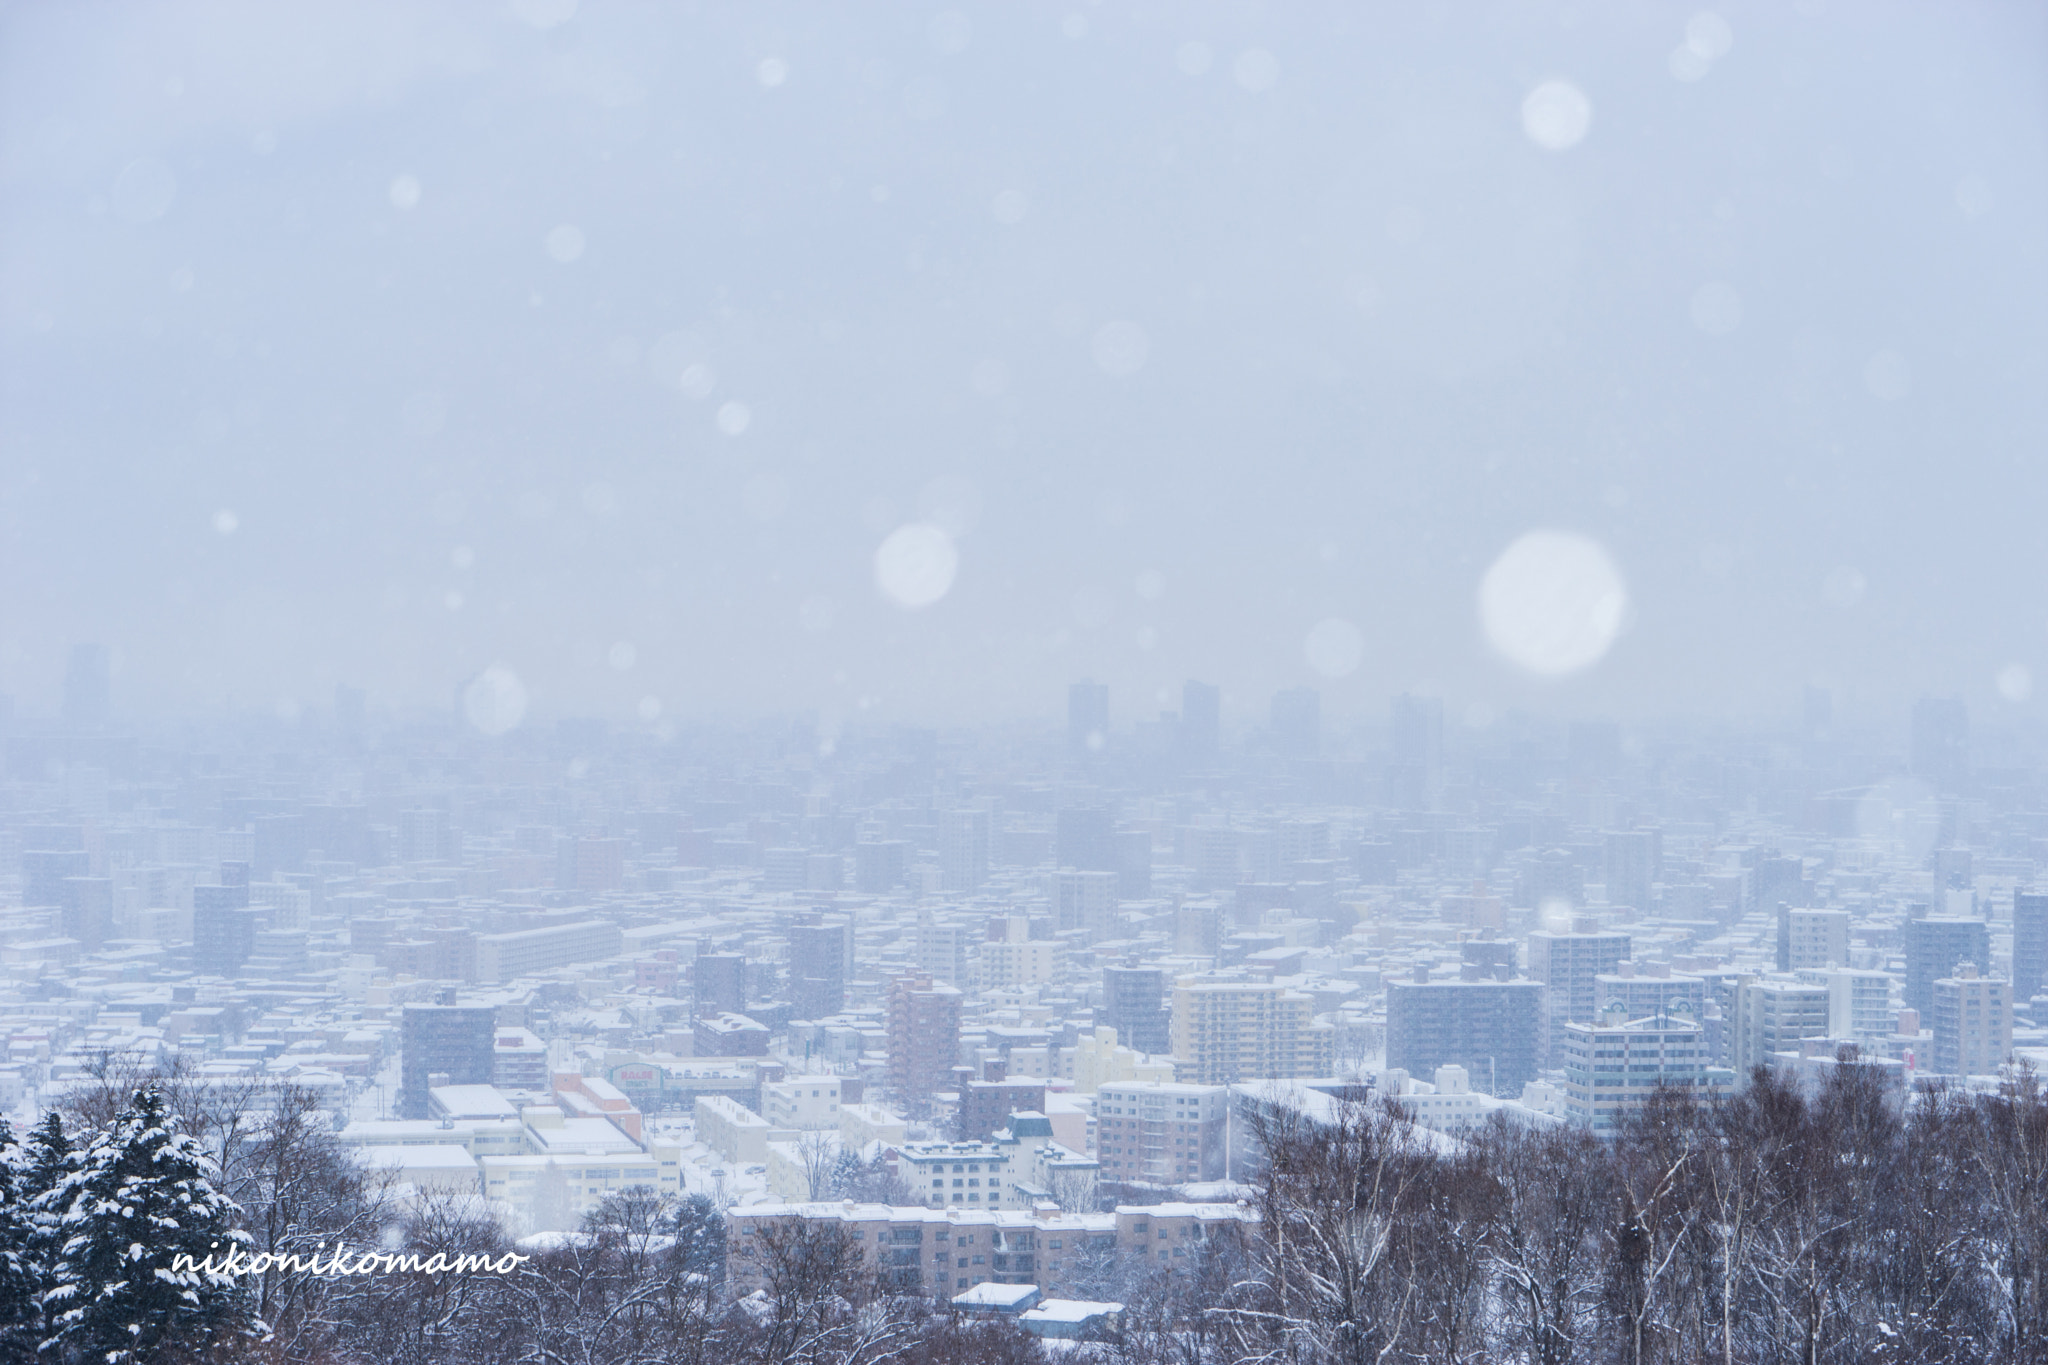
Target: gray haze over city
379	346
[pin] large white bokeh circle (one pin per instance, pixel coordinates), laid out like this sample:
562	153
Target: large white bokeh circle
1552	603
915	566
495	702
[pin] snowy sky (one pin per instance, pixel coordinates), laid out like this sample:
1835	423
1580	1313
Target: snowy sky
379	344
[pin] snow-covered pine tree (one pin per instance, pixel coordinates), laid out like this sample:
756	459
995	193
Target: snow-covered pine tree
140	1198
19	1281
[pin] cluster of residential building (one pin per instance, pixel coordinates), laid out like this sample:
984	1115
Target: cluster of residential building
1036	982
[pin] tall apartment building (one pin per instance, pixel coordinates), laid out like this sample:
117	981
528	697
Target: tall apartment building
1972	1023
1164	1133
456	1040
1859	1002
820	961
1935	947
1775	1016
941	951
1488	1027
924	1039
1634	863
1083	900
1812	938
963	849
1230	1031
2029	945
1568	966
223	929
1613	1066
1134	1004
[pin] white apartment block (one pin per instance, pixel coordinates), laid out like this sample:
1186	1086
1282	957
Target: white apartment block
1162	1133
1859	1002
801	1102
1814	938
501	958
1610	1068
1230	1031
732	1130
974	1174
1013	964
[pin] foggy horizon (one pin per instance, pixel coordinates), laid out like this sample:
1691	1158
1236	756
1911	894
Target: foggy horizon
379	347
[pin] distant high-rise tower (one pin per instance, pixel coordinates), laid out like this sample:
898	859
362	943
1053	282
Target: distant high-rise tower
86	688
1298	722
1201	721
1941	742
1417	735
963	849
1087	717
